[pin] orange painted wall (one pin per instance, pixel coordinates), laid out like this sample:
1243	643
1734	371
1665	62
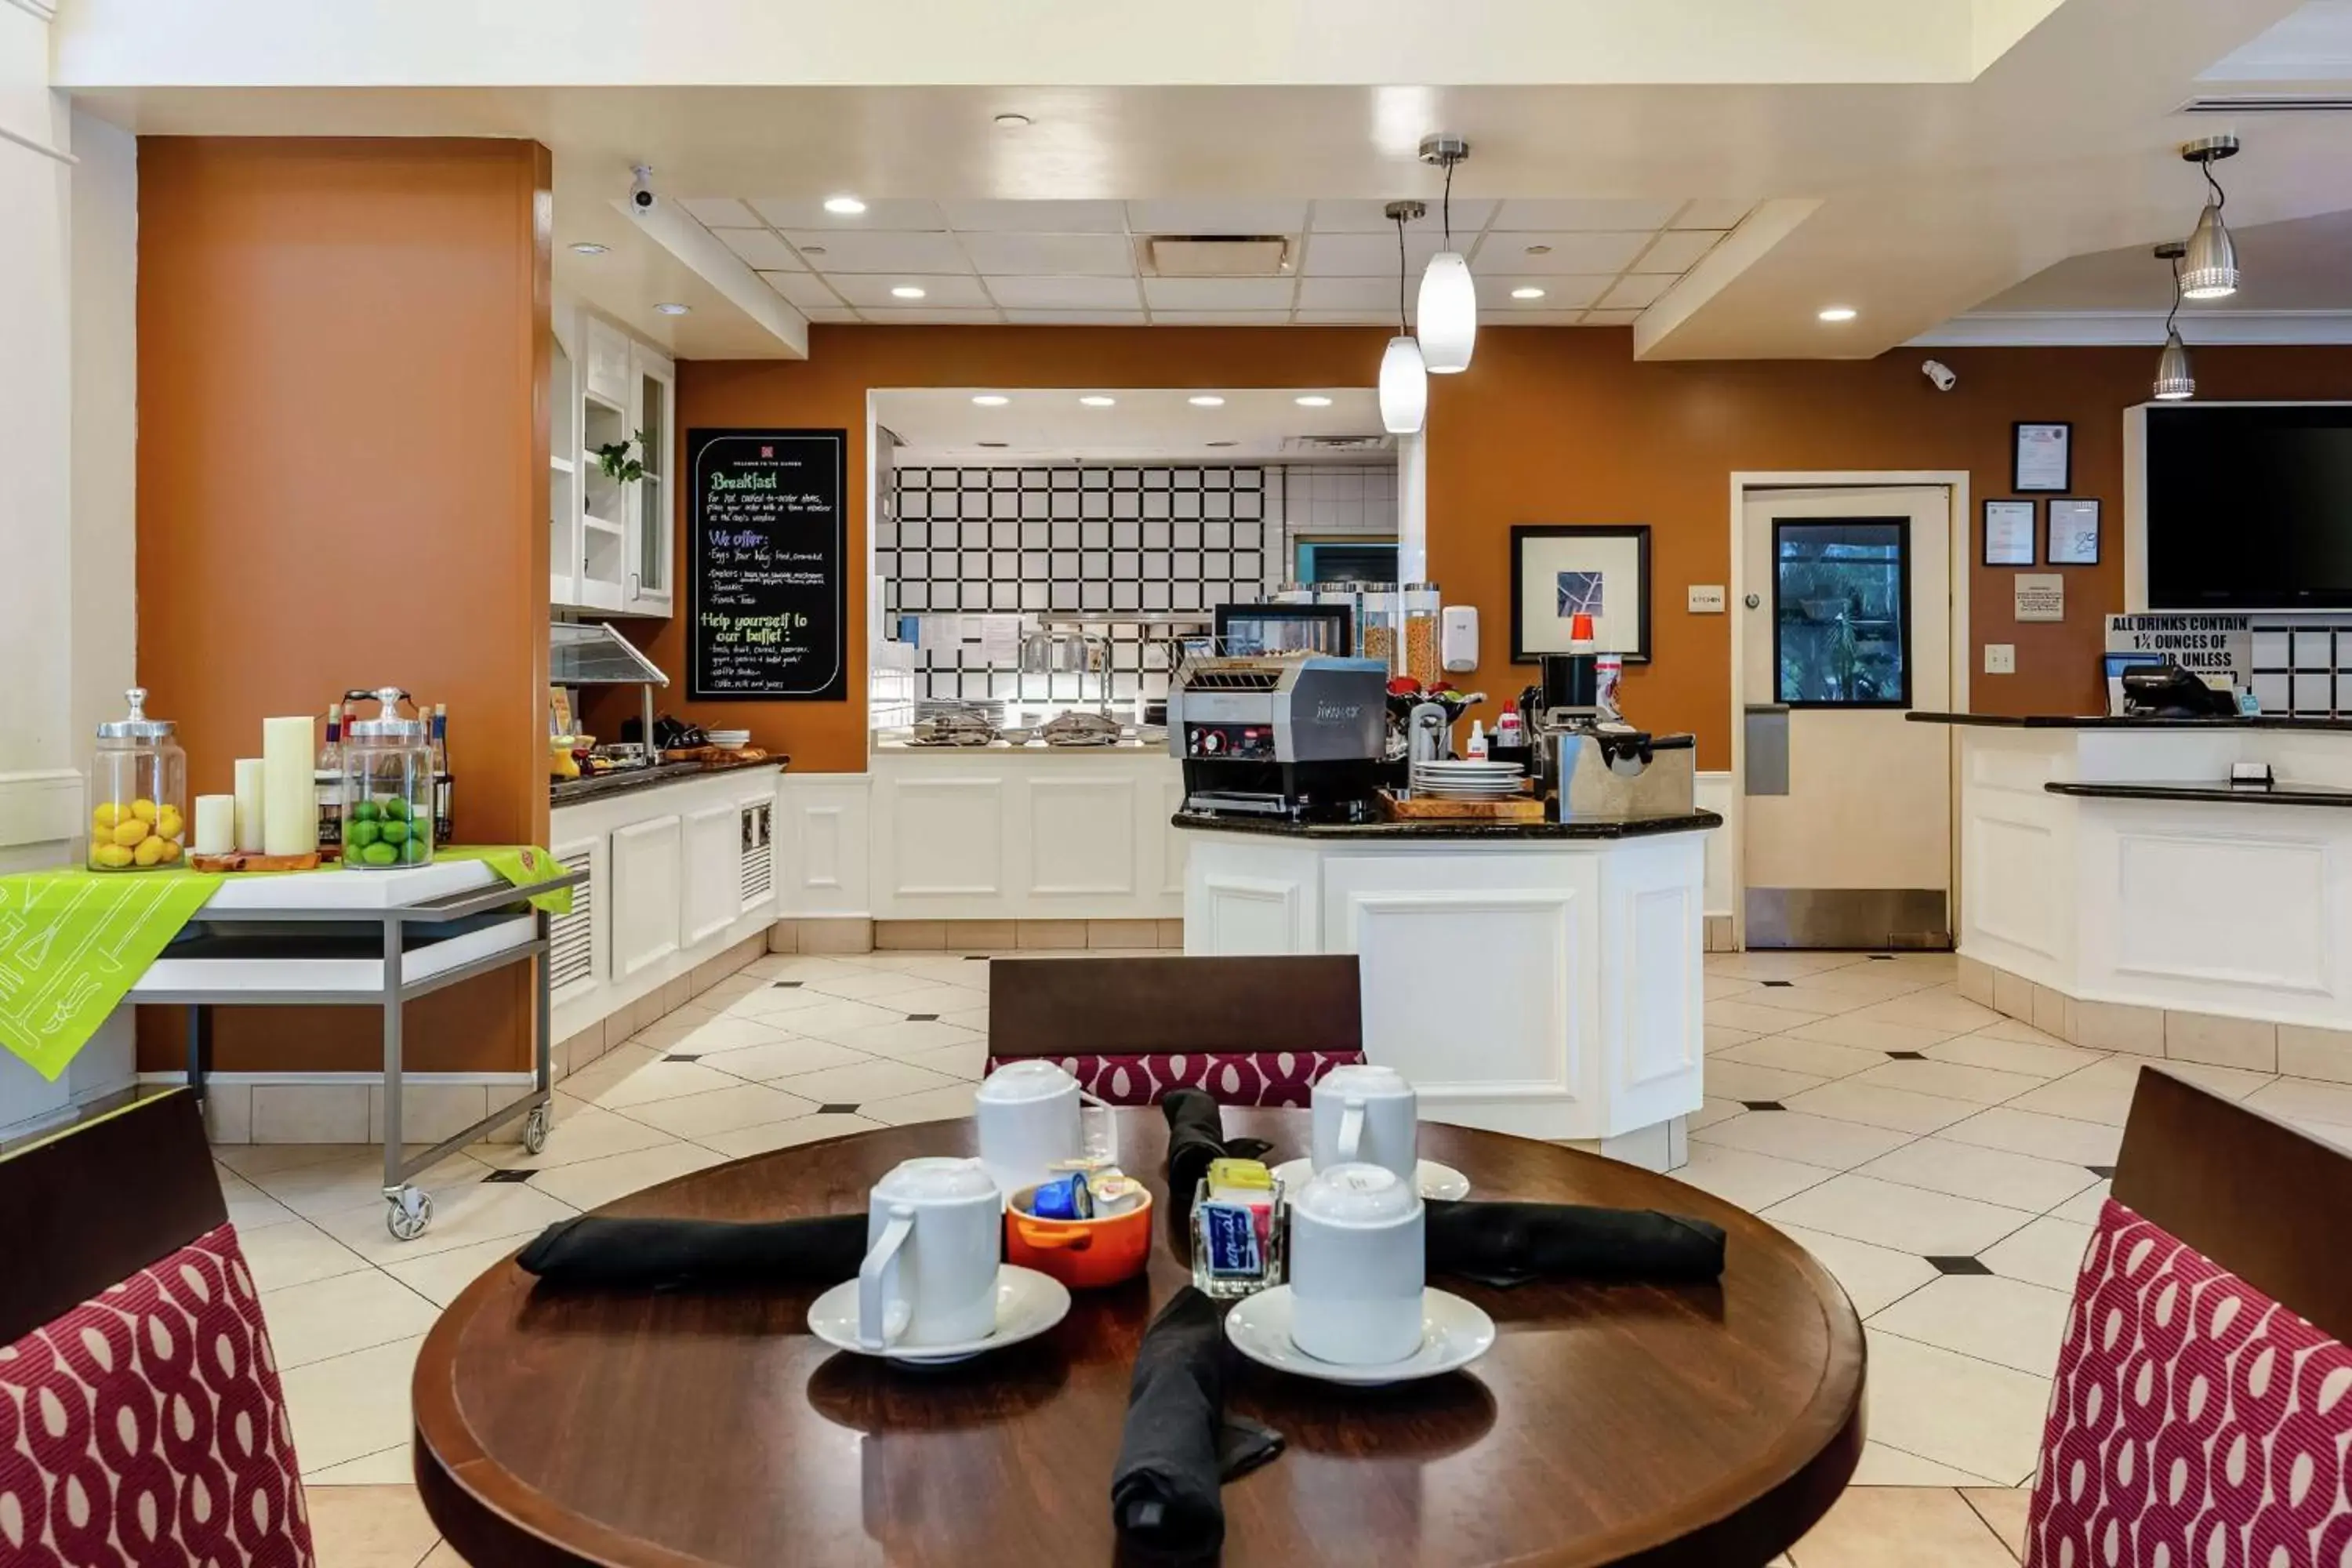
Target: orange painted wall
1552	425
342	481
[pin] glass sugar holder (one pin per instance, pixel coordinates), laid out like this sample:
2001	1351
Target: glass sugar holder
138	793
387	794
1231	1257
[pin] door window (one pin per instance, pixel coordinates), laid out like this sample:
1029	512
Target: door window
1841	612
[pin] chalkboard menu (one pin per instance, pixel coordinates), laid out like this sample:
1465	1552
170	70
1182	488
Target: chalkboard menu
770	609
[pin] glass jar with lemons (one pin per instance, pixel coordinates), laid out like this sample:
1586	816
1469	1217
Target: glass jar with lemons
388	788
138	793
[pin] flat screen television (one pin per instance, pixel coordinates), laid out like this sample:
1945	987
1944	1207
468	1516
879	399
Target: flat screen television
2248	506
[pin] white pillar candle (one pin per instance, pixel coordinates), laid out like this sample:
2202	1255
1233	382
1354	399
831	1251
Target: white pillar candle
289	799
248	805
215	824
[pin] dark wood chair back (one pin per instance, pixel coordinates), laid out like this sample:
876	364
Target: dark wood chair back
2267	1203
1137	1007
92	1207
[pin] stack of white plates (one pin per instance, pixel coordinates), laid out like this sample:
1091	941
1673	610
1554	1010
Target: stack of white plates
1470	780
730	739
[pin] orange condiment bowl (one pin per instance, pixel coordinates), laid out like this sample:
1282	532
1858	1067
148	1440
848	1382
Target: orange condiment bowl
1083	1254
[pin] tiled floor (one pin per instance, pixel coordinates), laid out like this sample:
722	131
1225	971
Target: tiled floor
1944	1161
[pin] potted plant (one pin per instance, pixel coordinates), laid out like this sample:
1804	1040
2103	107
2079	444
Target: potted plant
615	459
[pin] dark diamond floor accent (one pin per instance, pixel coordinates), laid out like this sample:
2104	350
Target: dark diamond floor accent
516	1175
683	1056
1907	1056
922	1018
2104	1173
1779	985
1763	1105
1958	1266
976	957
1882	958
788	985
836	1109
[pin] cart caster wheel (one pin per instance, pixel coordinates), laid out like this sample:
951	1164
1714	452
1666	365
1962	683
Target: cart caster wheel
407	1213
535	1130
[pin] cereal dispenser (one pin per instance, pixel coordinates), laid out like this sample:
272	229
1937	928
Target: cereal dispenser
138	793
387	788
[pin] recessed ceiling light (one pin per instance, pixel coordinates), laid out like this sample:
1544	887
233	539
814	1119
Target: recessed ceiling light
1530	293
672	307
1539	250
992	400
1099	401
1013	122
589	248
1313	400
1839	313
847	206
1206	400
905	291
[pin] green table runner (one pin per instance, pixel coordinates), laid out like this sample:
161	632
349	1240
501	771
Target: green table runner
74	942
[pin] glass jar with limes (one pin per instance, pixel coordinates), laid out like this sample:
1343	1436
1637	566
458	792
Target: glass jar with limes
387	796
138	793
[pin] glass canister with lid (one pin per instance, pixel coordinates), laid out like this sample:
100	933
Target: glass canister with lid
387	788
1420	604
138	793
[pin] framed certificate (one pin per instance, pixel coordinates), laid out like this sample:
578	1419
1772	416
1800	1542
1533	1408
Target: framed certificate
2043	460
2008	534
2073	533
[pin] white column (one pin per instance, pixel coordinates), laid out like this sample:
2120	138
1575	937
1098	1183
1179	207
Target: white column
1413	506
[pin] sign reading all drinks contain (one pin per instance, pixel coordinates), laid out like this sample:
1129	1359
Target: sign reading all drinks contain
769	614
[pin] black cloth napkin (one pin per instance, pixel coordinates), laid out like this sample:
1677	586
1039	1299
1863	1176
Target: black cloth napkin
655	1254
1179	1445
1196	1135
1506	1244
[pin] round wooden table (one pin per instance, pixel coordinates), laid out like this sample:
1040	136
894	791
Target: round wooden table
1703	1425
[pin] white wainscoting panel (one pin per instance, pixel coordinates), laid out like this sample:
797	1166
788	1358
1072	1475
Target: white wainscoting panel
824	868
1652	950
646	883
946	837
712	899
2227	908
1082	835
1716	792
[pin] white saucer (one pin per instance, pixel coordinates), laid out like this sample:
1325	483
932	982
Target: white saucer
1435	1181
1027	1304
1453	1334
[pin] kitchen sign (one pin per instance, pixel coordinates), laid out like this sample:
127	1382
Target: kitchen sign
769	614
2219	647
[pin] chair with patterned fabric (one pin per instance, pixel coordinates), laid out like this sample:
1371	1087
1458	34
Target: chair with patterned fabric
141	1418
2203	1401
1250	1031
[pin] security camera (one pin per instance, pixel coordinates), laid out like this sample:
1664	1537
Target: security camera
1940	372
641	190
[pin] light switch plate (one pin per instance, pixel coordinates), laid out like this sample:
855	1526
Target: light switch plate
1706	598
2001	659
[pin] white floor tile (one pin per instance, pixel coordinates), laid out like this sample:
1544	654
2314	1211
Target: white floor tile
802	966
724	1109
333	1316
1846	1099
1991	1175
441	1277
1870	1034
1952	1080
748	1140
462	1215
1885	1466
2061	1138
1874	1276
1809	995
760	1063
1723	1037
2305	1099
295	1253
592	1183
1738	1080
900	1039
1727	985
389	1466
660	1080
2085	1206
947	1104
1817	1057
2008	1028
720	1033
1954	1410
1908	1219
836	1020
1873	980
867	1081
2006	1321
1742	1014
1768	963
350	1406
251	1208
1712	1111
775	1002
1754	1181
872	985
1810	1140
931	996
2102	1091
2048	1253
313	1191
577	1133
973	1018
607	1071
969	1061
1941	1008
2007	1510
1913	1526
665	1031
1986	1049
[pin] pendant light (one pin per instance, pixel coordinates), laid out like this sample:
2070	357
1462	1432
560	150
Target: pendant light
1404	379
2173	380
2208	266
1449	300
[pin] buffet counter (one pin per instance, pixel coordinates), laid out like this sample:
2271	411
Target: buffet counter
2115	891
1543	979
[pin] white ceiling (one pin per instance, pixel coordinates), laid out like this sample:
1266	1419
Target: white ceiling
2304	264
1598	262
1253	423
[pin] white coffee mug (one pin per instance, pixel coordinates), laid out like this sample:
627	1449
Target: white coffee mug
1357	1265
1369	1114
1028	1122
933	1233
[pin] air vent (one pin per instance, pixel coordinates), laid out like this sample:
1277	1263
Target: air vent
572	937
1215	255
1334	444
758	863
2270	103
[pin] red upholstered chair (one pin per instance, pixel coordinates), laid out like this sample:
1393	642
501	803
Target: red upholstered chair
1251	1031
2203	1400
141	1419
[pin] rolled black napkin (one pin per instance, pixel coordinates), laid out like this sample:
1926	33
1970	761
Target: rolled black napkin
1179	1445
1196	1135
655	1254
1506	1244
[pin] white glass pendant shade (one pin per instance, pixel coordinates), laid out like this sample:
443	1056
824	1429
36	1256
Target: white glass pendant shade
2209	270
2173	380
1404	387
1448	314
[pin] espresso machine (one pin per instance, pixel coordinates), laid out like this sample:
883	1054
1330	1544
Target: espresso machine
1294	735
1588	763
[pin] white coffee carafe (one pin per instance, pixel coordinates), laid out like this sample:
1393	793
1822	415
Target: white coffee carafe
1368	1113
1029	1123
933	1233
1357	1265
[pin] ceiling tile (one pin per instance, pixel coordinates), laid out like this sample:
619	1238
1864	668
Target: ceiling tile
872	291
931	318
1216	217
761	248
1366	217
1077	318
1066	293
1217	294
1366	318
878	215
1609	317
1678	250
1371	255
1567	252
1583	216
1530	318
845	252
1708	212
802	289
1092	255
719	212
1221	318
1636	290
1035	217
1560	292
1357	295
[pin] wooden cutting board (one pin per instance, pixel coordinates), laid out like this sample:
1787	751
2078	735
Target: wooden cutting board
1423	808
243	860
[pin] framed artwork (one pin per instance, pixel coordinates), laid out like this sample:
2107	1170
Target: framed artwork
2043	455
2073	534
2008	533
1562	570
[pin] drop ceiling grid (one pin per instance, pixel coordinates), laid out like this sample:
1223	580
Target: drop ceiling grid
1616	257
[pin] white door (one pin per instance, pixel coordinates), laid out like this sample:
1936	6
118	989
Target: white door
1845	628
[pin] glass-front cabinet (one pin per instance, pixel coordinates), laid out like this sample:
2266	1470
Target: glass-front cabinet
650	512
611	435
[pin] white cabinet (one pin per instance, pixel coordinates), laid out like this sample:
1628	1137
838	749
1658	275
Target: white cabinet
608	363
609	537
714	836
563	463
654	381
646	884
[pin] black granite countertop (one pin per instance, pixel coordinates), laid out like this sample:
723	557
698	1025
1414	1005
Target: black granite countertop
1618	828
2111	721
573	792
2277	795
